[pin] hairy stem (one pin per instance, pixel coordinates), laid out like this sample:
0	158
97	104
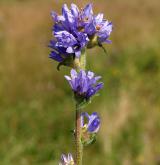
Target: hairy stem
83	59
79	145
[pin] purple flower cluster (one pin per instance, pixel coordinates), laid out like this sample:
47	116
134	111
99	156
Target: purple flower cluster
84	84
93	122
75	29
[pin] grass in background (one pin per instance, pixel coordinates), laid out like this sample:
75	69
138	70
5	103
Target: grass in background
36	108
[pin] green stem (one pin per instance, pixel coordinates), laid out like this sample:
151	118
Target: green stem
83	59
79	145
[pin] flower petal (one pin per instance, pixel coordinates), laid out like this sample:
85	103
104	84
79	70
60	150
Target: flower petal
88	12
83	115
94	123
69	50
56	56
73	73
74	10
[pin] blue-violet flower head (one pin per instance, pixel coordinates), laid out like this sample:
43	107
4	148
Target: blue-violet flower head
84	84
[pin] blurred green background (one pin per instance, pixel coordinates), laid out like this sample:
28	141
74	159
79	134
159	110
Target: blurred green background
36	105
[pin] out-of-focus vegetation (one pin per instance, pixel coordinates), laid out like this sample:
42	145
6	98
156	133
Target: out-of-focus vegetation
36	107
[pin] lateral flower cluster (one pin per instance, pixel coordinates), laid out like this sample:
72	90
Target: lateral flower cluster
75	30
84	84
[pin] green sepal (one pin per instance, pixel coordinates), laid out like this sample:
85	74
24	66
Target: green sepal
101	46
89	139
81	101
66	62
84	103
93	41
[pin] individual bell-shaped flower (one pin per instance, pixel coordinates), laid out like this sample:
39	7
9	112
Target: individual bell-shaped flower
93	122
90	125
72	18
60	55
73	43
99	31
66	160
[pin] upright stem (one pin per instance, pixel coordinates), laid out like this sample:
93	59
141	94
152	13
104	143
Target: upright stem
79	145
80	63
83	59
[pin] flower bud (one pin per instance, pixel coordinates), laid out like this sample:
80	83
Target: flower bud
67	160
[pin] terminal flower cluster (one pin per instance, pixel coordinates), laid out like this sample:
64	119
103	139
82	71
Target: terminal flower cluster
76	29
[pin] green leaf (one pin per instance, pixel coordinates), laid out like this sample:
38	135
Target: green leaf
89	140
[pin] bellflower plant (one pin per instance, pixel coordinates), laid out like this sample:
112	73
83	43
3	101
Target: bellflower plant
75	31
